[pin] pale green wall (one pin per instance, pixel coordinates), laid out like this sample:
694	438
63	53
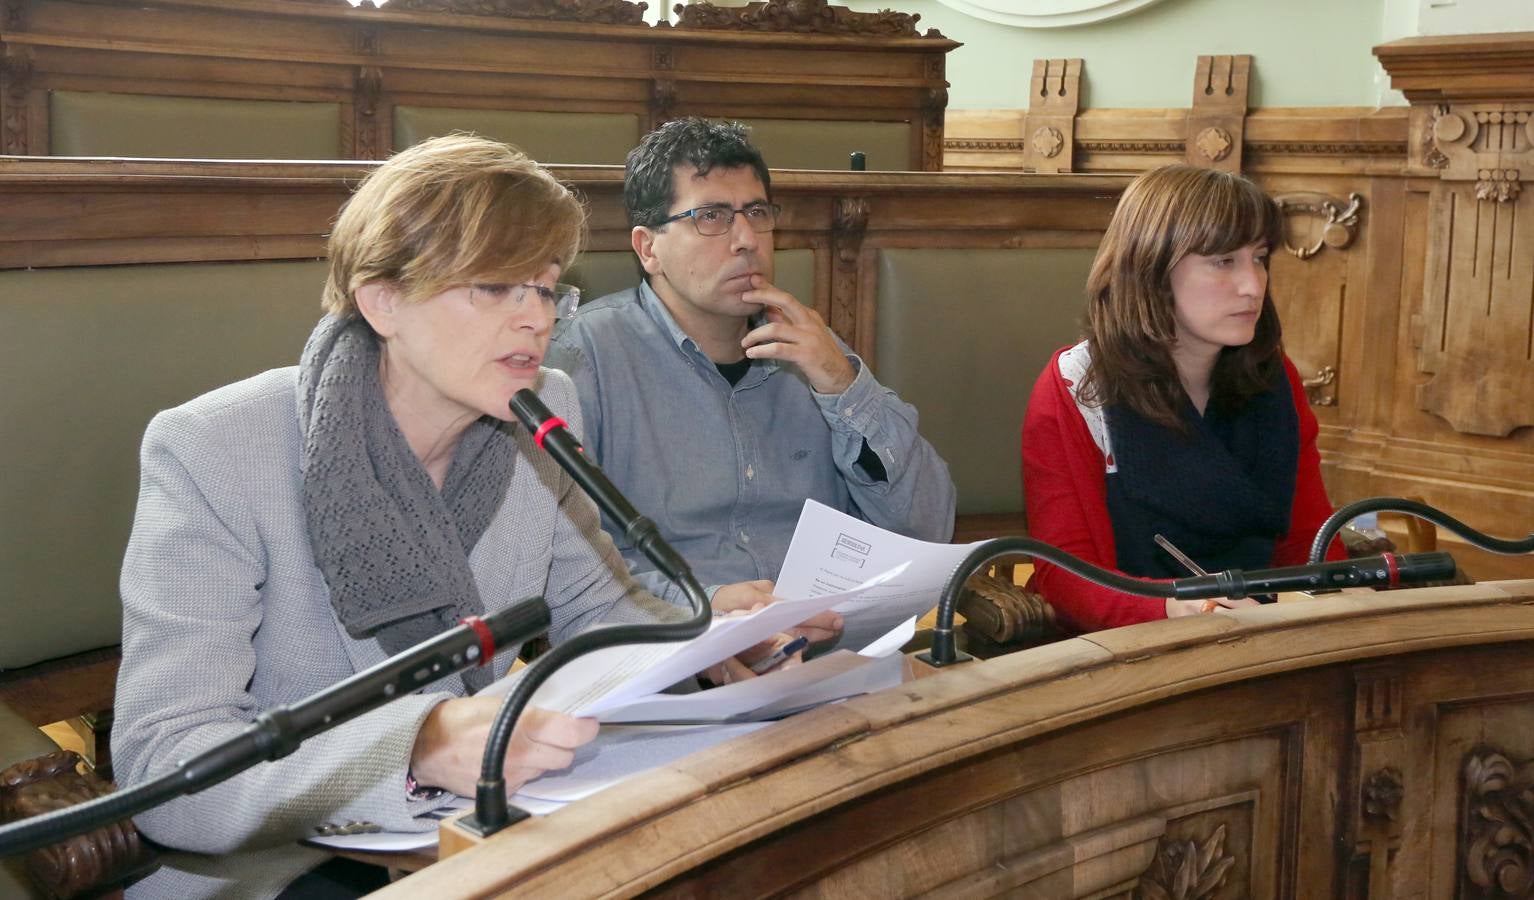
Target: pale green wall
1305	52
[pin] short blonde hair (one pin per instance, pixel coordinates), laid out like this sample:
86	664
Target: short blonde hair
447	211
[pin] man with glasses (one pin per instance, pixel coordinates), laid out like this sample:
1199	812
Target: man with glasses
717	401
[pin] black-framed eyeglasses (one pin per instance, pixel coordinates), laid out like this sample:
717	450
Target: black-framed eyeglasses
559	301
717	219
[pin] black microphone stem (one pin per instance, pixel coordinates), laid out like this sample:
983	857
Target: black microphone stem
1348	513
1231	583
492	812
279	731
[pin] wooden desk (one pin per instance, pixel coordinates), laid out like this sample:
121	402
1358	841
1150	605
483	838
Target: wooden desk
1277	749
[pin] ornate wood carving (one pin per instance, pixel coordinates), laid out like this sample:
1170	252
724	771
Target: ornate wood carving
1496	835
1477	334
801	16
1050	127
1382	794
605	12
370	142
15	85
367	40
662	99
1339	220
933	105
1186	870
849	224
1216	122
1377	700
13	15
85	864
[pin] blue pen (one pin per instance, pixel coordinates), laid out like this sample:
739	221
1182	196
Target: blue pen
762	666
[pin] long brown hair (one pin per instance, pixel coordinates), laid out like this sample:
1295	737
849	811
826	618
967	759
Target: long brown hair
1164	215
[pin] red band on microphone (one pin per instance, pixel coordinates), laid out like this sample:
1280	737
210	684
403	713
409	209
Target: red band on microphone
552	423
486	639
1394	567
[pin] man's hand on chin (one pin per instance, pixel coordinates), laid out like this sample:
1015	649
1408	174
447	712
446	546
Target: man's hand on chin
796	334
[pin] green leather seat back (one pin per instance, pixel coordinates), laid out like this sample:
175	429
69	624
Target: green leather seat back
962	335
569	138
104	124
815	144
90	356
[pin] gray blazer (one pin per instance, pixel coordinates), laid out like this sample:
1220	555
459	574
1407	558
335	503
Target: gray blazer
225	615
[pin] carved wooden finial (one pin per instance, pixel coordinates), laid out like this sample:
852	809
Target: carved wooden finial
1217	121
1049	129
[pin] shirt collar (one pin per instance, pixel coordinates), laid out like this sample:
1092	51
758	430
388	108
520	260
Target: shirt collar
652	304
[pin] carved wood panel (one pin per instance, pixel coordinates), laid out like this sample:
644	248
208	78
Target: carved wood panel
1310	285
1477	335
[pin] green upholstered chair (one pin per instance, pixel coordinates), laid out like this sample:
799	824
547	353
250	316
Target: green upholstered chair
93	354
962	335
817	144
108	124
569	138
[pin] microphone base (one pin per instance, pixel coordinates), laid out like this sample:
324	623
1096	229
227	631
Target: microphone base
959	656
471	823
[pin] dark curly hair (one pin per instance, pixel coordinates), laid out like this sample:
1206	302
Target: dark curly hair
649	188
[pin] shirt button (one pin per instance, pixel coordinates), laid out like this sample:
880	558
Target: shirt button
750	473
846	410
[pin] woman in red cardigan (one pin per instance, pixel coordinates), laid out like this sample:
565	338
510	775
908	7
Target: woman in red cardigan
1179	414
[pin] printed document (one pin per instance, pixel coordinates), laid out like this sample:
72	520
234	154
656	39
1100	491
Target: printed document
832	551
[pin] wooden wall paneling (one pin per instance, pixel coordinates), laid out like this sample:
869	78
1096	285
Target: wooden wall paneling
554	57
1216	123
1049	131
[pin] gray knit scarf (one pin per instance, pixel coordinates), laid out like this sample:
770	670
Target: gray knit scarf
394	551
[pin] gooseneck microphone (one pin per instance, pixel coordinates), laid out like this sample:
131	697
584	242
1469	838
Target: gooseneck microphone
279	731
551	433
1346	514
1385	570
1388	569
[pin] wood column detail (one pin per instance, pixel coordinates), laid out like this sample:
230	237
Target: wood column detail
1217	121
1049	131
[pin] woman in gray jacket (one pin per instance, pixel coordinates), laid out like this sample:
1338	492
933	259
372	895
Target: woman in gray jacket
303	524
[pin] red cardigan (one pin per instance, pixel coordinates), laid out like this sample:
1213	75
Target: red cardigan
1065	488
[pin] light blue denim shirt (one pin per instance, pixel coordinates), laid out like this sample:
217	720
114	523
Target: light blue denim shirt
723	471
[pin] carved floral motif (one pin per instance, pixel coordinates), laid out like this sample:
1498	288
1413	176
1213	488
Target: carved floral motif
1501	185
802	16
1382	795
1185	870
1497	826
1214	142
606	12
1048	141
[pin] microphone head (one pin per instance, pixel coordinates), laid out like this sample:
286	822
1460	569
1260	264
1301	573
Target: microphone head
530	409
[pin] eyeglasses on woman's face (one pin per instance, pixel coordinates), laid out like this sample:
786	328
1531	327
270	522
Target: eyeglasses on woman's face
558	301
